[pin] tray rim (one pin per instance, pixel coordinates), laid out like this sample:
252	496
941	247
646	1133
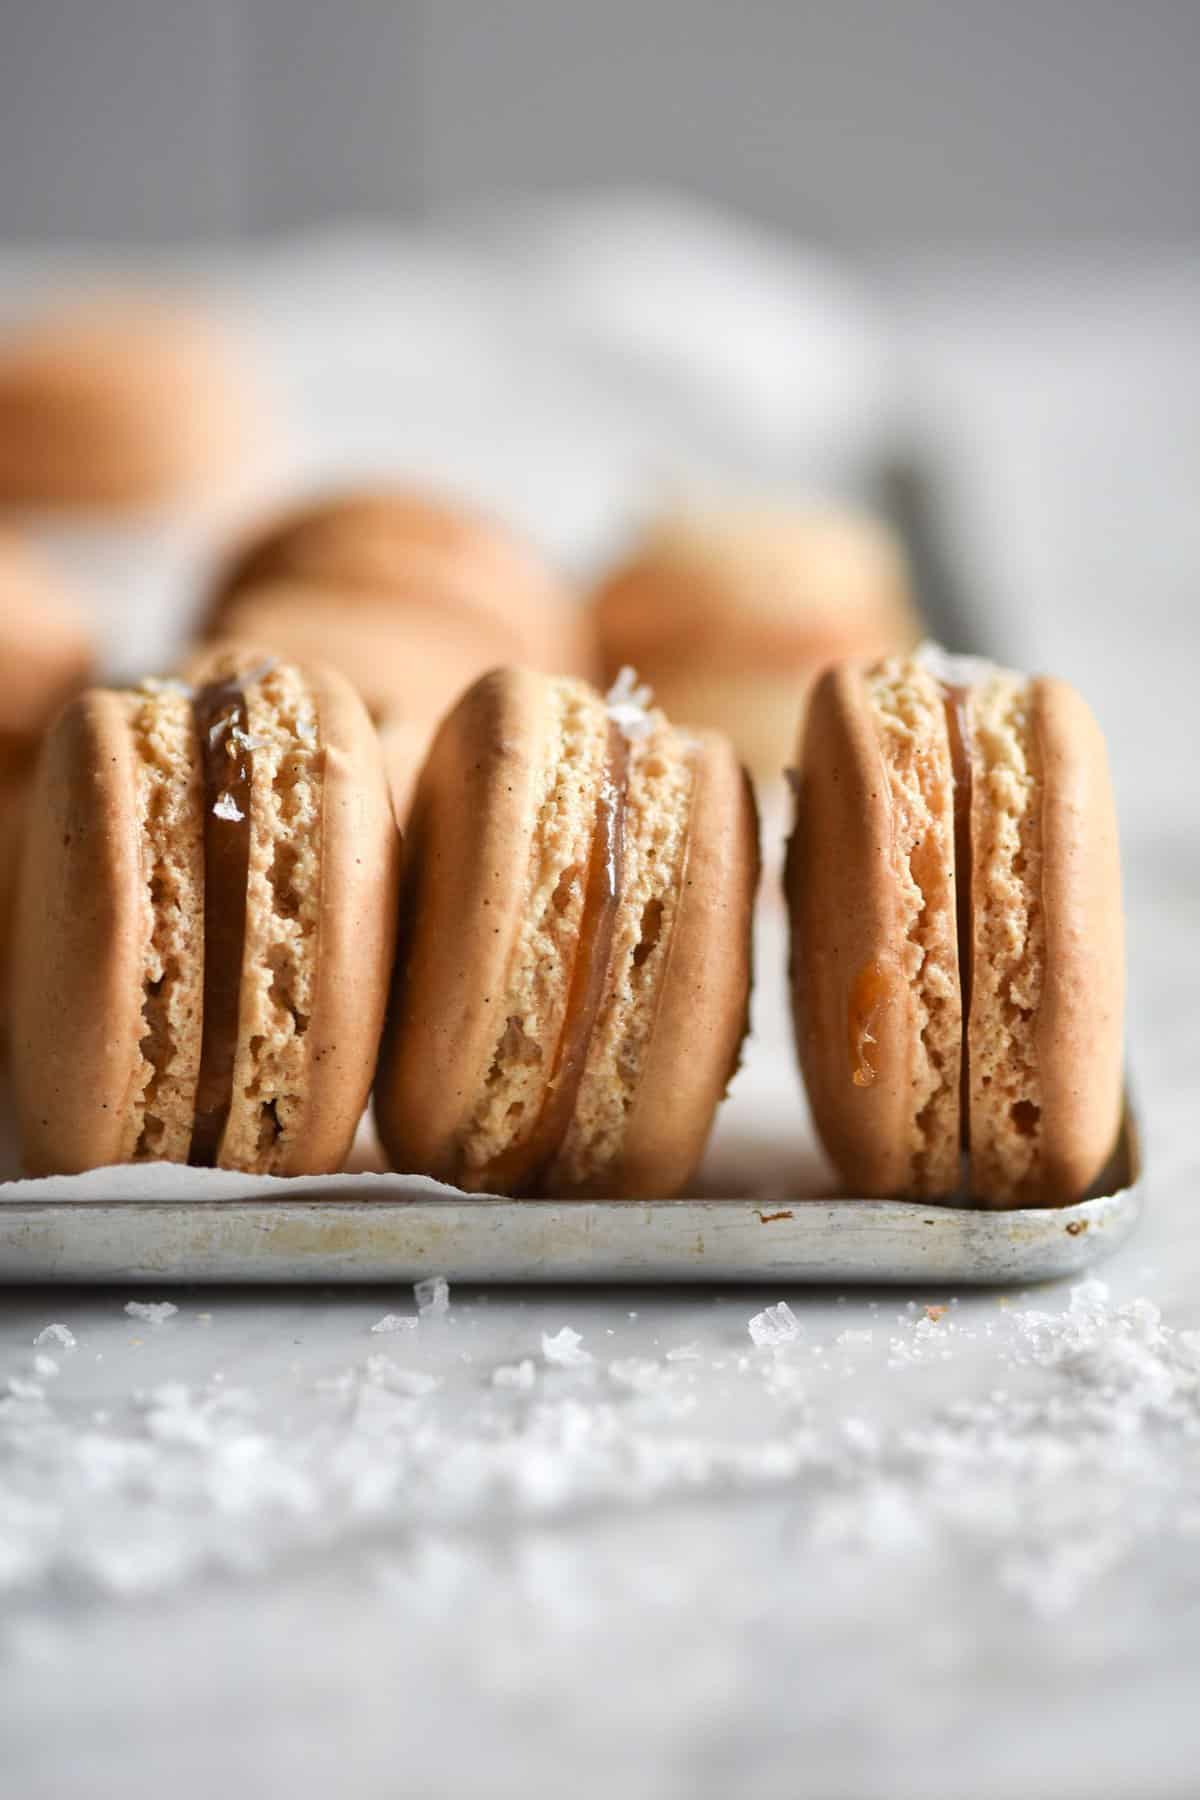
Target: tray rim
273	1238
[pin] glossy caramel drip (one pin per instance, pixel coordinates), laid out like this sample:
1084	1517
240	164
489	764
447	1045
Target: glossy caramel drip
525	1165
222	727
870	996
955	701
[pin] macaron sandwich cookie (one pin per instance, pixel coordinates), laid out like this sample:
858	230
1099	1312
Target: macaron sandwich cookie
205	925
410	595
574	966
957	954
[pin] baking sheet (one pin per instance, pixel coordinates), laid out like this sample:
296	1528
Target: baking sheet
115	1225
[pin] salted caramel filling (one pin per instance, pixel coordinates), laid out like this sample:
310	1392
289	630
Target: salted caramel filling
524	1166
956	700
226	753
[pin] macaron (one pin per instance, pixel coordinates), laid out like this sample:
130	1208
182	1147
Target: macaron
410	595
119	401
46	646
46	655
403	746
957	942
729	611
572	983
205	925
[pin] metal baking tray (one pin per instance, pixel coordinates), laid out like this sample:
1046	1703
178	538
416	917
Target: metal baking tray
328	1231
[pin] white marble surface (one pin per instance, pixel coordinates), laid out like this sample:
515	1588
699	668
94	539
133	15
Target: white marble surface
902	1552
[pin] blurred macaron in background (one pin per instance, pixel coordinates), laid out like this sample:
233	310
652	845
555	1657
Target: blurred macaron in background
730	607
47	653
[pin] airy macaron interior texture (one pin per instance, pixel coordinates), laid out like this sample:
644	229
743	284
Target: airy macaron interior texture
573	892
979	972
179	886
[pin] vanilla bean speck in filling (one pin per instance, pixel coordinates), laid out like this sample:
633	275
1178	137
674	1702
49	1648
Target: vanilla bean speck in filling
222	727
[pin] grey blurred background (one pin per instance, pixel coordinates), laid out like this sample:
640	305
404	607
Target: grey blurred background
868	124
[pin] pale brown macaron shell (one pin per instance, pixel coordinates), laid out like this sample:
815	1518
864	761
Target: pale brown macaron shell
46	655
727	610
109	980
879	964
499	846
411	595
119	401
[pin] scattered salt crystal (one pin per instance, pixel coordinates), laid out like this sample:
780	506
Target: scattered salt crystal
62	1335
629	702
861	1435
413	1381
226	807
515	1375
394	1322
564	1350
433	1297
684	1353
306	731
854	1340
641	1373
244	740
776	1325
154	1312
385	1373
342	1383
953	669
23	1389
44	1366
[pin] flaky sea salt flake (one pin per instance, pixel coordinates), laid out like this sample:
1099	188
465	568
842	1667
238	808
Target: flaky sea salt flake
564	1349
394	1322
629	702
154	1312
433	1297
776	1325
60	1335
515	1375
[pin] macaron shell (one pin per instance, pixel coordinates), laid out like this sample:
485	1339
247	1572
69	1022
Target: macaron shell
46	647
351	849
403	746
117	400
1080	1021
15	783
467	852
703	1003
855	1007
757	586
77	969
411	553
360	872
416	665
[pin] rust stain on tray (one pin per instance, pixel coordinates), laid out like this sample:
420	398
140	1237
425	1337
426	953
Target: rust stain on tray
767	1218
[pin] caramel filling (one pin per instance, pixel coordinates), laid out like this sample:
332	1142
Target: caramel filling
525	1165
222	727
955	700
873	992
